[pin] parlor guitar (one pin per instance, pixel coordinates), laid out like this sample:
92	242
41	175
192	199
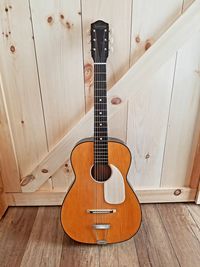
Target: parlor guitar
100	206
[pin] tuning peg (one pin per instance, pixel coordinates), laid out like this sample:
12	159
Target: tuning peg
88	32
111	49
111	31
111	40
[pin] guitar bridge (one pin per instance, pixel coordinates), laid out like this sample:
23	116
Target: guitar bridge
101	211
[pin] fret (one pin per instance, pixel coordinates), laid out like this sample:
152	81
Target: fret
100	115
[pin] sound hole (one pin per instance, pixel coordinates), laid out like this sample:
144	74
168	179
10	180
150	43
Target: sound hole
101	172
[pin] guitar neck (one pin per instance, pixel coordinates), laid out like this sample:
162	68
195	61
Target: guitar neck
100	115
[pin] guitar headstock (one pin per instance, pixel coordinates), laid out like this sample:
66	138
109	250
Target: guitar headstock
99	41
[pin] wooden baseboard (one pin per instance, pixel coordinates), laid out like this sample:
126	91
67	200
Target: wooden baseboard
183	194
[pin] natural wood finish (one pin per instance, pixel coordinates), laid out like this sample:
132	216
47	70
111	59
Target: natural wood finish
48	251
149	109
144	195
118	60
87	194
3	204
149	247
185	27
77	255
21	85
62	93
8	163
197	200
152	251
3	199
177	219
195	177
15	230
180	144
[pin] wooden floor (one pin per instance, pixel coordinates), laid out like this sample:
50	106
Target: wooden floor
169	236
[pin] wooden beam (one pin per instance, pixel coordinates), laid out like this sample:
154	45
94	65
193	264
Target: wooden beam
181	31
158	195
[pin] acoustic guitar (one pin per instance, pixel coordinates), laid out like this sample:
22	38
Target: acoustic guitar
100	206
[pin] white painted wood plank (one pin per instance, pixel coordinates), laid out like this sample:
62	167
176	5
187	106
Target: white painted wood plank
20	82
186	26
183	113
57	31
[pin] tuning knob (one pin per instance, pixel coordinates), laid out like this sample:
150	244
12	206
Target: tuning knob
111	40
88	32
111	49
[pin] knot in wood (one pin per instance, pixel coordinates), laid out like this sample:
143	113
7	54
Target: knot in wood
88	73
148	45
116	100
147	156
177	192
137	39
44	171
12	49
49	19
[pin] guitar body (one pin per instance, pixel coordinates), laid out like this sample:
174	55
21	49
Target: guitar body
87	195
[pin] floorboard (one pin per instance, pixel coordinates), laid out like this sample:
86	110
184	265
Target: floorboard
182	230
169	236
15	229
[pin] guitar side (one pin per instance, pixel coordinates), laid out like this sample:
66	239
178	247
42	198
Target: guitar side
88	194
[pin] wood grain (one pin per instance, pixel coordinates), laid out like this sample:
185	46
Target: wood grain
21	85
57	32
76	222
177	219
149	108
15	229
185	27
152	246
150	249
118	60
8	163
44	247
78	255
179	153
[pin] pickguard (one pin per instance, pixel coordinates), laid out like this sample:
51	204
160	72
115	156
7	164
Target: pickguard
114	188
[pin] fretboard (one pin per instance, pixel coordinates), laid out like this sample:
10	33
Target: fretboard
100	115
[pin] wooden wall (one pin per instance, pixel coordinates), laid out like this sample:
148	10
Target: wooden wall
47	87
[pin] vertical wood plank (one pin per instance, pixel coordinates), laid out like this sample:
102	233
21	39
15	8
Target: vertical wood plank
179	154
57	31
118	60
8	162
21	86
44	247
15	229
148	110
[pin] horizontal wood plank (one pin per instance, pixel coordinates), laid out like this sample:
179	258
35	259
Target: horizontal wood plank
145	196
